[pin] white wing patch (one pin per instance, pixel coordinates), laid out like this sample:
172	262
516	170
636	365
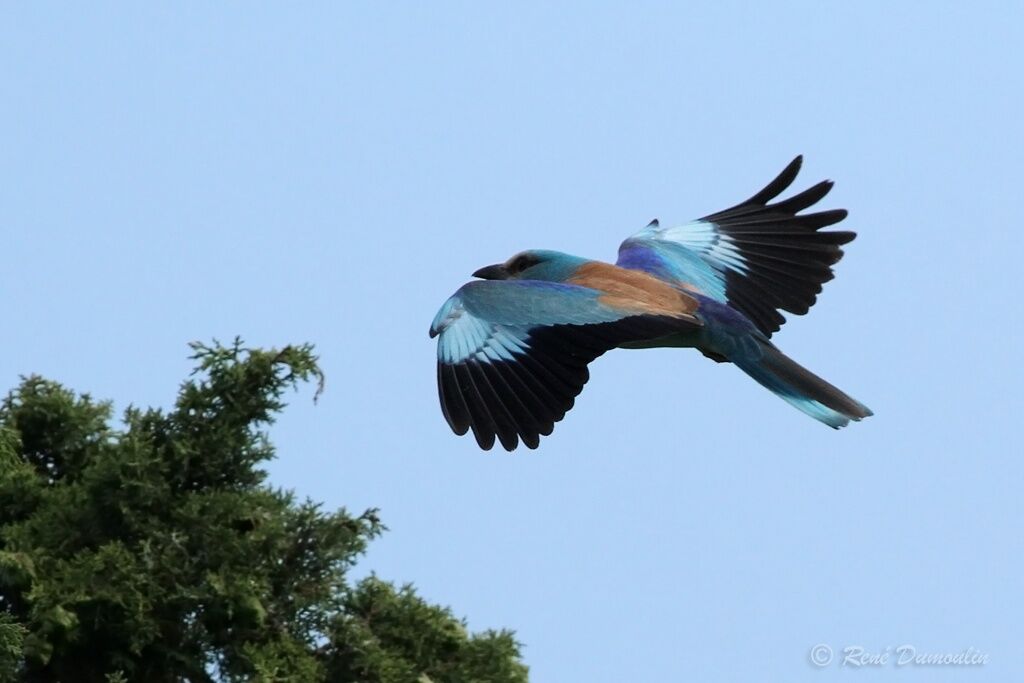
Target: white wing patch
463	336
705	239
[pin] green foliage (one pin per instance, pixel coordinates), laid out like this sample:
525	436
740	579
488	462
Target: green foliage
157	552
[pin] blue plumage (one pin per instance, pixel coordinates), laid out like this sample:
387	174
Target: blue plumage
513	349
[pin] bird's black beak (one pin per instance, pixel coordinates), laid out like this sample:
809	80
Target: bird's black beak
495	272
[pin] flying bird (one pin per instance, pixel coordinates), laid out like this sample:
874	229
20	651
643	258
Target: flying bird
514	346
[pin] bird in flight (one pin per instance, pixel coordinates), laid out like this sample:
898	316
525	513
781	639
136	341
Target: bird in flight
514	346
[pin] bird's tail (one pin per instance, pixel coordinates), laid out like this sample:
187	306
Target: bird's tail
800	387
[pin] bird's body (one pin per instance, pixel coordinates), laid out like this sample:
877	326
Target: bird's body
514	347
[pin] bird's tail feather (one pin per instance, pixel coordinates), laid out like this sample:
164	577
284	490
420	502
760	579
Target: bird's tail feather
800	387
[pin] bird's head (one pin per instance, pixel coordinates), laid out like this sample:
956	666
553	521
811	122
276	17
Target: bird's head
535	264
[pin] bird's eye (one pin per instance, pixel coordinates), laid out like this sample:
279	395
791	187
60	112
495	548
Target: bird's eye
520	263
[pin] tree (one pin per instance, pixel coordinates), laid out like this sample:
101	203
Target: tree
158	552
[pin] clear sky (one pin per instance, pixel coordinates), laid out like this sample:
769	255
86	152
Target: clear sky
331	173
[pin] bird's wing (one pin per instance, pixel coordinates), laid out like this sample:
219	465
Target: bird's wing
512	354
757	257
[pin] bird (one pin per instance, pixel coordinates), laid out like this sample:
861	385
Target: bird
514	345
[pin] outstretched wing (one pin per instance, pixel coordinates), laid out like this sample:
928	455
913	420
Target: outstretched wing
512	354
757	257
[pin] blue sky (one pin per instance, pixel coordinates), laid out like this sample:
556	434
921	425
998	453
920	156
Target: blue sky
331	173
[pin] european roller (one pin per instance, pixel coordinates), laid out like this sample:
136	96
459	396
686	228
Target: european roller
513	347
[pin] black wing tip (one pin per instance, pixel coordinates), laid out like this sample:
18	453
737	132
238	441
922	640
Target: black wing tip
474	398
488	440
788	174
843	236
778	184
484	441
784	179
509	447
760	207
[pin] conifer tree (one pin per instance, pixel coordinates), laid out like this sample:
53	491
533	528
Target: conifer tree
157	551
